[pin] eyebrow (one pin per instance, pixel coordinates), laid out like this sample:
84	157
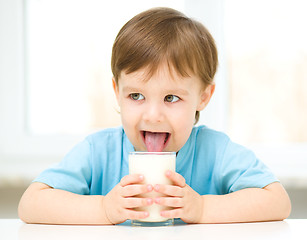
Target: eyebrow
130	89
177	91
180	91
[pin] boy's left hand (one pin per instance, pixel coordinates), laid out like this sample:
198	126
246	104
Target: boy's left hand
186	203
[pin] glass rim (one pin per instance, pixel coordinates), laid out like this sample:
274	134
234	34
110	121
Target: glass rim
151	153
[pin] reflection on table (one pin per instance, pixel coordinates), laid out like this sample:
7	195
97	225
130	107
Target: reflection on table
288	229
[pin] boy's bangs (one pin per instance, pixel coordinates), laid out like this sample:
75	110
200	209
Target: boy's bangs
177	52
160	36
177	65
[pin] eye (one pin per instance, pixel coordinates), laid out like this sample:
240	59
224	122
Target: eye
171	98
136	96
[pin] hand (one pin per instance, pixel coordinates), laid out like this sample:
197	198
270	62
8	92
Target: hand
119	202
186	203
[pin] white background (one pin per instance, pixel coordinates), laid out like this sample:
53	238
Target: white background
23	155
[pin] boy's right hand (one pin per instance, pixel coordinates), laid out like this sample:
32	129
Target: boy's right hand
120	202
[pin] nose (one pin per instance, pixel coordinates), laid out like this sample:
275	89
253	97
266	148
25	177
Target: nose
154	113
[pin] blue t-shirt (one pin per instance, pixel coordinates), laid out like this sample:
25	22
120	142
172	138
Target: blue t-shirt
209	161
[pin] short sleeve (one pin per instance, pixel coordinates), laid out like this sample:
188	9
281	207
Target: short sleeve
240	168
73	173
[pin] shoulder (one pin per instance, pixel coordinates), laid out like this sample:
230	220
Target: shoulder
219	141
97	142
221	144
205	135
206	143
218	144
109	142
108	134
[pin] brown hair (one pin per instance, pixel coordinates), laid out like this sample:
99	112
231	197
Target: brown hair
162	35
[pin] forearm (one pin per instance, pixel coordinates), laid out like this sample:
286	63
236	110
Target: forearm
53	206
247	205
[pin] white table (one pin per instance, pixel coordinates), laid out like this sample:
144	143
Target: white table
288	229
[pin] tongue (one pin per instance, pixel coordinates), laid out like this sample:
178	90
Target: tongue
154	141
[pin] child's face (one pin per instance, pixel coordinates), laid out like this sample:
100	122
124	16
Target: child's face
159	114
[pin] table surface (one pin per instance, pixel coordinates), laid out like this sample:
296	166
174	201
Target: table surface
288	229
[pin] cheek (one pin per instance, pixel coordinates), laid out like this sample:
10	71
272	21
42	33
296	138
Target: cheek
183	125
129	117
128	125
187	116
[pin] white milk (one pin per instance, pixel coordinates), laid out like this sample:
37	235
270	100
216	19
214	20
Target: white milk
153	166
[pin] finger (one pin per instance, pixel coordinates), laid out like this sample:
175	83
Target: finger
176	178
173	202
131	179
132	214
169	190
137	202
174	213
136	189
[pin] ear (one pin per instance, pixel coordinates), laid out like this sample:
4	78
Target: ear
205	96
115	88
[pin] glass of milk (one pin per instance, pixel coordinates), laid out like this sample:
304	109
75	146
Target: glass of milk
153	166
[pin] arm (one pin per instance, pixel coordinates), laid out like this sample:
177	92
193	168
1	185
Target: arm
43	204
247	205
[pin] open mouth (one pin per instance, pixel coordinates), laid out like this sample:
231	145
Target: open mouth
155	141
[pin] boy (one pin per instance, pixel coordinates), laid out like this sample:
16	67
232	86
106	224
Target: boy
163	65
